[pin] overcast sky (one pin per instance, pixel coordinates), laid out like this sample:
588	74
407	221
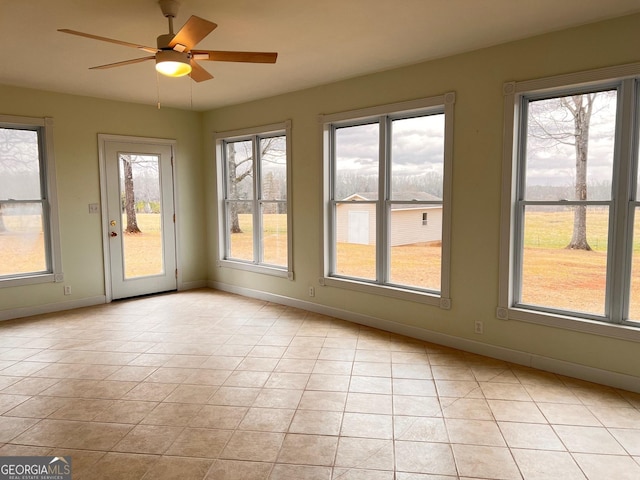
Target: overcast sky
417	147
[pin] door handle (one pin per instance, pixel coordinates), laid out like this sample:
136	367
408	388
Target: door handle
113	234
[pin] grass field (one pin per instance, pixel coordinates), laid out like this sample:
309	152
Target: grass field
552	275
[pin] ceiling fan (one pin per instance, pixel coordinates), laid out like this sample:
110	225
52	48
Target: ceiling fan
175	56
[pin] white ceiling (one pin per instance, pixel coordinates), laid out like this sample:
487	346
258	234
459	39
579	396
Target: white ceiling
318	41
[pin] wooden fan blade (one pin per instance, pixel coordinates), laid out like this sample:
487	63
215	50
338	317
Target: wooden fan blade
111	40
198	73
120	64
222	56
192	32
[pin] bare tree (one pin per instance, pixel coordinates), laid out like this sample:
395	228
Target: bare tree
567	122
129	196
240	167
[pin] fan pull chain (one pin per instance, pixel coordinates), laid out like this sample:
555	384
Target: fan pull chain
158	89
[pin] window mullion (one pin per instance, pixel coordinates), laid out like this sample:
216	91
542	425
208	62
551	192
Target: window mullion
624	187
257	201
383	208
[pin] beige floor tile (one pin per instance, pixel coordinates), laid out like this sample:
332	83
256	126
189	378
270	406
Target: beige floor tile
607	466
380	385
170	468
51	433
172	414
474	432
546	465
317	422
28	386
200	442
504	391
411	386
152	439
82	461
254	446
11	450
372	355
292	381
628	438
278	398
589	440
552	394
132	373
516	411
363	474
444	372
422	429
125	411
11	427
196	394
407	370
235	396
470	408
331	383
96	436
367	425
120	466
458	389
318	400
617	417
235	470
295	365
152	392
563	414
365	453
416	406
37	407
333	367
8	402
219	416
369	403
297	472
424	457
85	409
530	435
267	419
308	449
259	364
485	462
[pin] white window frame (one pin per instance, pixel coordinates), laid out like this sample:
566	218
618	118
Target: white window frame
53	273
255	266
432	105
627	79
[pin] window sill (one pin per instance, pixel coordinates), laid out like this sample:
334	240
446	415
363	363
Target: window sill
620	331
252	267
31	280
388	291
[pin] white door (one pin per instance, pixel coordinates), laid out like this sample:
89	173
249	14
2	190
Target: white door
359	227
140	251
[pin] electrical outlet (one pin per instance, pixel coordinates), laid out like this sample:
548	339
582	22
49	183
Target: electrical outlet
67	290
479	327
312	292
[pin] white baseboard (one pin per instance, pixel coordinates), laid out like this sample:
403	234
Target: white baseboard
583	372
51	307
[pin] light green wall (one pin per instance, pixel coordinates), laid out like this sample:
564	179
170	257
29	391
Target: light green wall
477	78
77	123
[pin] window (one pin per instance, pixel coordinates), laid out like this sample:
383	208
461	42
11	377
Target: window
383	168
253	187
29	235
570	231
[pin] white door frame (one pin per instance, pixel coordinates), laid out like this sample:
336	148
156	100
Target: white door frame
103	139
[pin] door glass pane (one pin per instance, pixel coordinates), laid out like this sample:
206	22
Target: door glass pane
274	233
417	158
559	277
240	230
416	245
22	246
141	201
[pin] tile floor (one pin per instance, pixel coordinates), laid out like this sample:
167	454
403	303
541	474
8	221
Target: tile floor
208	385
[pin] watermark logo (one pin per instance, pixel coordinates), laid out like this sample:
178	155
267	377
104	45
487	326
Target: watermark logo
35	468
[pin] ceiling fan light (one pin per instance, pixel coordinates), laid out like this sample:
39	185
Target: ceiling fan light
172	63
